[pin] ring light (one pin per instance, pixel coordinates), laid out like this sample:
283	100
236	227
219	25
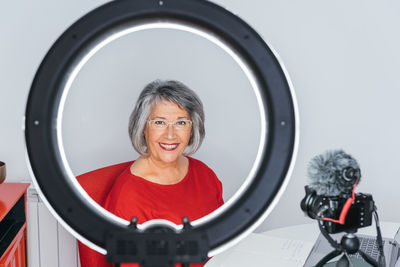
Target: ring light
51	173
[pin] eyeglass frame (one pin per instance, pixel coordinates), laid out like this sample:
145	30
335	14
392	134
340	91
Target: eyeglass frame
169	123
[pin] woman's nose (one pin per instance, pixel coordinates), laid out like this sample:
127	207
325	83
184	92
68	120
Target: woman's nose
171	131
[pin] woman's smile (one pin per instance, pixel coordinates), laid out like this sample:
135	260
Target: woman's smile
169	147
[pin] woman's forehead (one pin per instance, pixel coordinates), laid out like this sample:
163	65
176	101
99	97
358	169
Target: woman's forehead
168	109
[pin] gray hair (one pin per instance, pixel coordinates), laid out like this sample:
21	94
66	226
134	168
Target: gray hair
172	91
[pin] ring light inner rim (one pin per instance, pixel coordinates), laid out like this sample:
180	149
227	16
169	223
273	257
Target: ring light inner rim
128	28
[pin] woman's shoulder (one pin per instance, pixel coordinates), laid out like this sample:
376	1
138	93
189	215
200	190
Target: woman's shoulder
200	167
198	164
206	178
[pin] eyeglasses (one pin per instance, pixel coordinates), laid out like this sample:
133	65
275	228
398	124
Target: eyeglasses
181	125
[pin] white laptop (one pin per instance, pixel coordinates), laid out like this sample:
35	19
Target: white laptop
368	244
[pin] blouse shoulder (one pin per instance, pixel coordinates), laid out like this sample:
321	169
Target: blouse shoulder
199	164
213	183
200	167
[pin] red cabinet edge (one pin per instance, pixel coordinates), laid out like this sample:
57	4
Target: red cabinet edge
9	195
15	253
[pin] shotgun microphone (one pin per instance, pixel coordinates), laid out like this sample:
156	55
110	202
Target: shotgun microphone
333	174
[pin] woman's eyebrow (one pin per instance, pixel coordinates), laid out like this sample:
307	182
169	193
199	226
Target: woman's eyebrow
163	118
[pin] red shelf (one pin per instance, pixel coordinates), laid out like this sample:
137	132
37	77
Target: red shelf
13	224
9	195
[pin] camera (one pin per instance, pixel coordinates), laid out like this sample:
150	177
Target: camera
320	207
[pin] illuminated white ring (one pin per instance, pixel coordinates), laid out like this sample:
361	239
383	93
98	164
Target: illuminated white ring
51	173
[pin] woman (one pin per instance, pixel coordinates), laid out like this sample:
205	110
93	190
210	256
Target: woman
165	127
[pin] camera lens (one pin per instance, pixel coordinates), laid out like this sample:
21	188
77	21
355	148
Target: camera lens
309	202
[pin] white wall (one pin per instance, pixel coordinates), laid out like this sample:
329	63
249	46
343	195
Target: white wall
344	62
342	56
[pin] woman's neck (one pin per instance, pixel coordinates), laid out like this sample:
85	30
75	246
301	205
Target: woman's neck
160	172
164	166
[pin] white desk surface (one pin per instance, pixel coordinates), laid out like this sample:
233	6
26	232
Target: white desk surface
266	249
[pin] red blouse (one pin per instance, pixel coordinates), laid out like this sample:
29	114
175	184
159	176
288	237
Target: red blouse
196	195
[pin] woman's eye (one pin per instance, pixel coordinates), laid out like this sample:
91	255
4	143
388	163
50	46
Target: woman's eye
181	123
159	123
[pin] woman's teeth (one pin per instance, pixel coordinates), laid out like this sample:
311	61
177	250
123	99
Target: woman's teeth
169	147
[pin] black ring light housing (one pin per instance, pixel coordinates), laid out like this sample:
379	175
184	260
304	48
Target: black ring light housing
42	121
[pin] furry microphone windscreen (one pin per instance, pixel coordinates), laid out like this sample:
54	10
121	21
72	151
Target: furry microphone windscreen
325	173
